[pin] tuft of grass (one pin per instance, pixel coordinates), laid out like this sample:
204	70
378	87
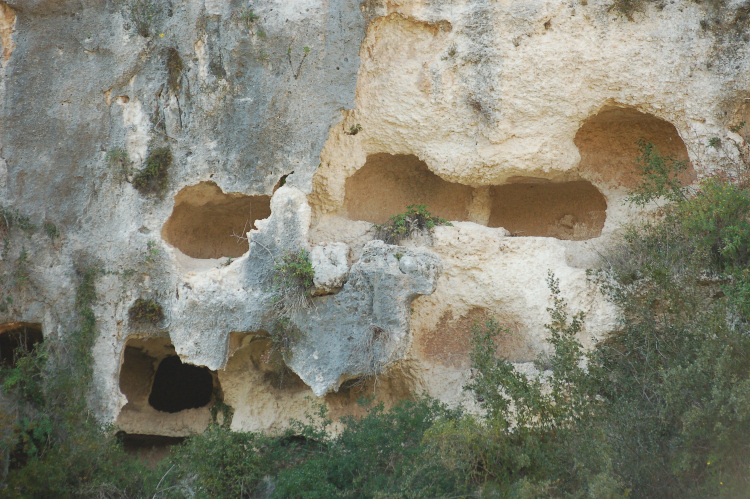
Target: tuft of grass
51	229
153	178
293	281
714	142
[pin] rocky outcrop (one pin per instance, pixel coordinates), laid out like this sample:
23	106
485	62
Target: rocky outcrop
297	126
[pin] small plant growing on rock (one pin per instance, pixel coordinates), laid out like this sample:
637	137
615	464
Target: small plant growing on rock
284	336
145	311
174	69
244	16
293	281
714	142
142	13
51	229
152	179
417	219
354	129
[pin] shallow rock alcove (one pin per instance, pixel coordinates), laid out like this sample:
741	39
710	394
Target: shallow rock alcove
388	183
205	221
17	338
608	144
537	207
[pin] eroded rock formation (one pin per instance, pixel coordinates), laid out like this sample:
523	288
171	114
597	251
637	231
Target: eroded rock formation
516	121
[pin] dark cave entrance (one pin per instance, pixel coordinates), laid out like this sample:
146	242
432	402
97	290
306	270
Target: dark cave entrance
17	338
179	386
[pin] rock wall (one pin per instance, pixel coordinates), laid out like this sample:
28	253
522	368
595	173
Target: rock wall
296	126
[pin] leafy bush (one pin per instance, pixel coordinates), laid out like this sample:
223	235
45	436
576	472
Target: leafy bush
145	311
417	219
153	178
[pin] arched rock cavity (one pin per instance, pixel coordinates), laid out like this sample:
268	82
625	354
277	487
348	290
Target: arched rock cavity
608	146
388	183
204	221
16	338
537	207
152	375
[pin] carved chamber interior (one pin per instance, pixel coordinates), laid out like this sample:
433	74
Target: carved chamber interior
205	219
608	146
388	183
563	210
153	375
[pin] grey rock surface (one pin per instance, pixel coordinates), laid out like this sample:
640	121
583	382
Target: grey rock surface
365	326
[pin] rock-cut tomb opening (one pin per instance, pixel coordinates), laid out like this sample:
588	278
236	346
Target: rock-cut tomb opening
536	207
153	375
17	338
388	183
205	221
608	144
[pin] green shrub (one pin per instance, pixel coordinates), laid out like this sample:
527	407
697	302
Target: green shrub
51	230
153	178
417	219
145	311
660	176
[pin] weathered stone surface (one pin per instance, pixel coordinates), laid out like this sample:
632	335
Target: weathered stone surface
365	327
356	110
331	266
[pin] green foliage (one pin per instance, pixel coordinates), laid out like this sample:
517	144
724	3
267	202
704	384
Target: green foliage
11	218
174	70
417	219
152	252
737	128
714	142
295	272
382	454
674	374
153	178
660	176
145	311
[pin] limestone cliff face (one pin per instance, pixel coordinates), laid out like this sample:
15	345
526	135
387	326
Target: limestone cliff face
297	126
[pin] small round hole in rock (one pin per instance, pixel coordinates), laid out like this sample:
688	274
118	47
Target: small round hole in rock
179	386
